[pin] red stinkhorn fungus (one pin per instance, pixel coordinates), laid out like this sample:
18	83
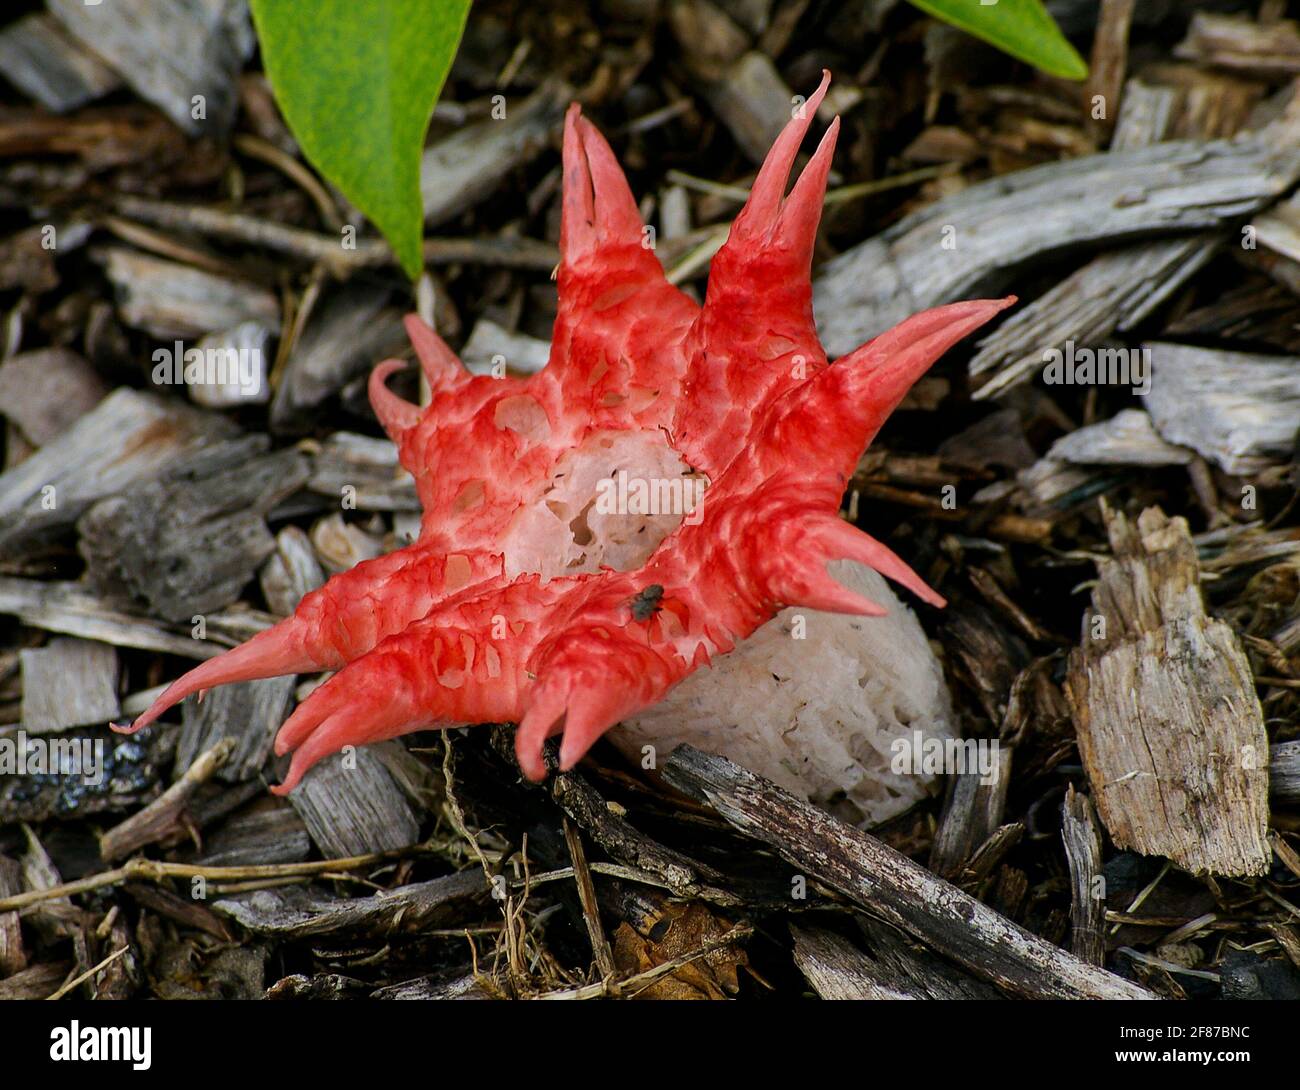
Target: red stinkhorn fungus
496	613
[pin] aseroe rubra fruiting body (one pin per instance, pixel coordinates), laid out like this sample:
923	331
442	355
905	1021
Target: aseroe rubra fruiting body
465	626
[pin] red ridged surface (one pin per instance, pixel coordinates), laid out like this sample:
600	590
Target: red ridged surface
436	634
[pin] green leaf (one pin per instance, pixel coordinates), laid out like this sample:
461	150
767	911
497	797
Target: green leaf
1022	28
357	81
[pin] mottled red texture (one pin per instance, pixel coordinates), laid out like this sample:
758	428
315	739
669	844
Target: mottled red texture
437	633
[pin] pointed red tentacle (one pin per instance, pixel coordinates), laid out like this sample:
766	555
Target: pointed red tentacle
339	622
839	540
460	663
796	227
285	648
616	351
755	338
424	677
442	367
757	219
396	415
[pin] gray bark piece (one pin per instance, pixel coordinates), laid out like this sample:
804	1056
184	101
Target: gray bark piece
1127	439
300	913
462	169
43	61
69	683
346	335
438	987
1146	115
169	299
290	572
972	813
72	609
1237	409
169	51
1284	772
1172	187
368	467
753	102
249	712
241	375
894	969
188	544
351	805
273	834
516	351
48	390
1114	291
128	438
837	969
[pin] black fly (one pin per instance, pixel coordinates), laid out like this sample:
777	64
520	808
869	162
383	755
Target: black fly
646	604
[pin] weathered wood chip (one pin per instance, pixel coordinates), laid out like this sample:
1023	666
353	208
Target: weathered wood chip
1284	772
299	913
1243	45
890	886
168	299
272	832
290	572
363	472
13	957
1114	291
39	982
129	437
1237	409
69	683
43	61
972	812
1169	726
236	371
345	336
491	348
184	56
46	391
351	805
441	986
968	243
1126	439
894	969
1087	894
753	101
188	543
248	713
1145	116
72	609
460	170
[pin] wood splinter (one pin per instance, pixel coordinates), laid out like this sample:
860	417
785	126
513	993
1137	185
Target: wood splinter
1170	728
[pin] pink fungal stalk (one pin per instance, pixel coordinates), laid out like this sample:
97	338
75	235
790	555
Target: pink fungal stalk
485	618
